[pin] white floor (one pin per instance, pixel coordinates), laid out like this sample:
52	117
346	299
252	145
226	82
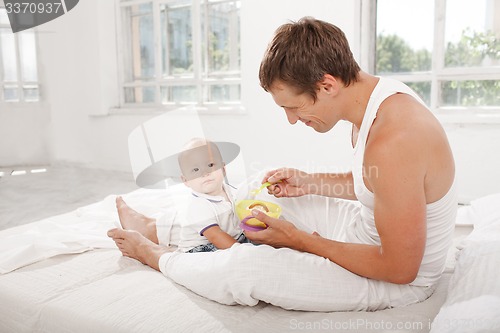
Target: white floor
33	196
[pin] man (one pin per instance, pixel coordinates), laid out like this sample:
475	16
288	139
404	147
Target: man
388	251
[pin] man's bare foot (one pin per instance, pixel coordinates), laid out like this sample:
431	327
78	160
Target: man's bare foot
134	245
132	220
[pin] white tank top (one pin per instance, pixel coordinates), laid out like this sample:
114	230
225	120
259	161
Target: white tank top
440	214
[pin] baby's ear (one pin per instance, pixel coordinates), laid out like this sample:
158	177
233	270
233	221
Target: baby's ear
183	179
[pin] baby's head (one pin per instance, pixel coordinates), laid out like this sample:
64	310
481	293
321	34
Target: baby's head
202	166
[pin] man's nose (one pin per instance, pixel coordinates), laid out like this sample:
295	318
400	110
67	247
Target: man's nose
291	116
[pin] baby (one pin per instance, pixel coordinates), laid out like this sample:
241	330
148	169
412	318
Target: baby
210	222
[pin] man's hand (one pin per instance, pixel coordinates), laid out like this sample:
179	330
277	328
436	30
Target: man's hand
280	233
287	182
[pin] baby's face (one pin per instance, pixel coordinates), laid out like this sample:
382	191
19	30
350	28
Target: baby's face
202	170
210	184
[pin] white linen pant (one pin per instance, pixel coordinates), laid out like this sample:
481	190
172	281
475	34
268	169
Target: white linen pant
246	274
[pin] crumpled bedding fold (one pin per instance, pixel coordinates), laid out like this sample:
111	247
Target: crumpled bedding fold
78	231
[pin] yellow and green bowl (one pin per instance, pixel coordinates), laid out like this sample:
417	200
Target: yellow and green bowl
244	212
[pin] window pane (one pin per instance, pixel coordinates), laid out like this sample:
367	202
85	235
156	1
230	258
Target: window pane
182	55
470	93
177	39
472	36
27	49
224	92
30	94
423	89
11	94
141	45
139	95
177	94
7	41
404	35
222	36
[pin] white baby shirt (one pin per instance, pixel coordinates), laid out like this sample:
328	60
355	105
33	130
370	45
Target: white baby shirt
204	211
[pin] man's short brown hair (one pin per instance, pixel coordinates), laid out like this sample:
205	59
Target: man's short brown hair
302	52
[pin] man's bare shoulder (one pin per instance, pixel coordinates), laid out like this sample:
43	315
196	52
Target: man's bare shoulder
402	119
406	136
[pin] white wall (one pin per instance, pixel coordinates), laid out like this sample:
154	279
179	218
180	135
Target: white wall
79	62
78	54
24	132
476	148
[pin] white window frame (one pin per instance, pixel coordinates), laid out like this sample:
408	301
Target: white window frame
230	107
19	82
452	114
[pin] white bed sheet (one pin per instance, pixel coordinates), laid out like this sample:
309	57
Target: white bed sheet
101	291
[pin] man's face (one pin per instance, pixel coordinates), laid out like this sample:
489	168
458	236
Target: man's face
202	169
301	107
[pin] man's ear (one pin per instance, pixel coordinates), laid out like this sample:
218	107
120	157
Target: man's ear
329	84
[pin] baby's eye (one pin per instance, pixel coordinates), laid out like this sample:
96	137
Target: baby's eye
211	165
196	169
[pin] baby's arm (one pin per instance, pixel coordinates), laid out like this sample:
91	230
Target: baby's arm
219	238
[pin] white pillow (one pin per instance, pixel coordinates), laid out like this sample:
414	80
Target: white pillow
465	215
473	300
484	214
479	314
486	210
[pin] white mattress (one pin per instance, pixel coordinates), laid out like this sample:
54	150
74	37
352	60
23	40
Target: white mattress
101	291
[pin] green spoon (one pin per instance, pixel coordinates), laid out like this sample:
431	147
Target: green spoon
258	190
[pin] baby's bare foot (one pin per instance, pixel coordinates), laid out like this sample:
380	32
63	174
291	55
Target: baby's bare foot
132	220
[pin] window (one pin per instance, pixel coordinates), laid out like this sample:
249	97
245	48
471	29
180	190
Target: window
180	52
447	51
18	63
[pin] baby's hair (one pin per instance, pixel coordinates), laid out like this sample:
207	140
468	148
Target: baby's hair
194	143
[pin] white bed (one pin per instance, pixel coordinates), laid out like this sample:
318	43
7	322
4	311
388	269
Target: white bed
95	289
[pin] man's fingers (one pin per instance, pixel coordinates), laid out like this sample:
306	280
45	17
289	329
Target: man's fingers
273	190
277	176
274	176
267	175
270	221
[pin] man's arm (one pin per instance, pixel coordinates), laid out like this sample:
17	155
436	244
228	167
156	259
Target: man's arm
288	182
335	185
400	218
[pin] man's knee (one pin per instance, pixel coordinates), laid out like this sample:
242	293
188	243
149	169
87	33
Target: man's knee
247	262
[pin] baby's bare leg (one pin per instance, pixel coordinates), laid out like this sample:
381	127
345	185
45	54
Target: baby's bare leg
132	220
